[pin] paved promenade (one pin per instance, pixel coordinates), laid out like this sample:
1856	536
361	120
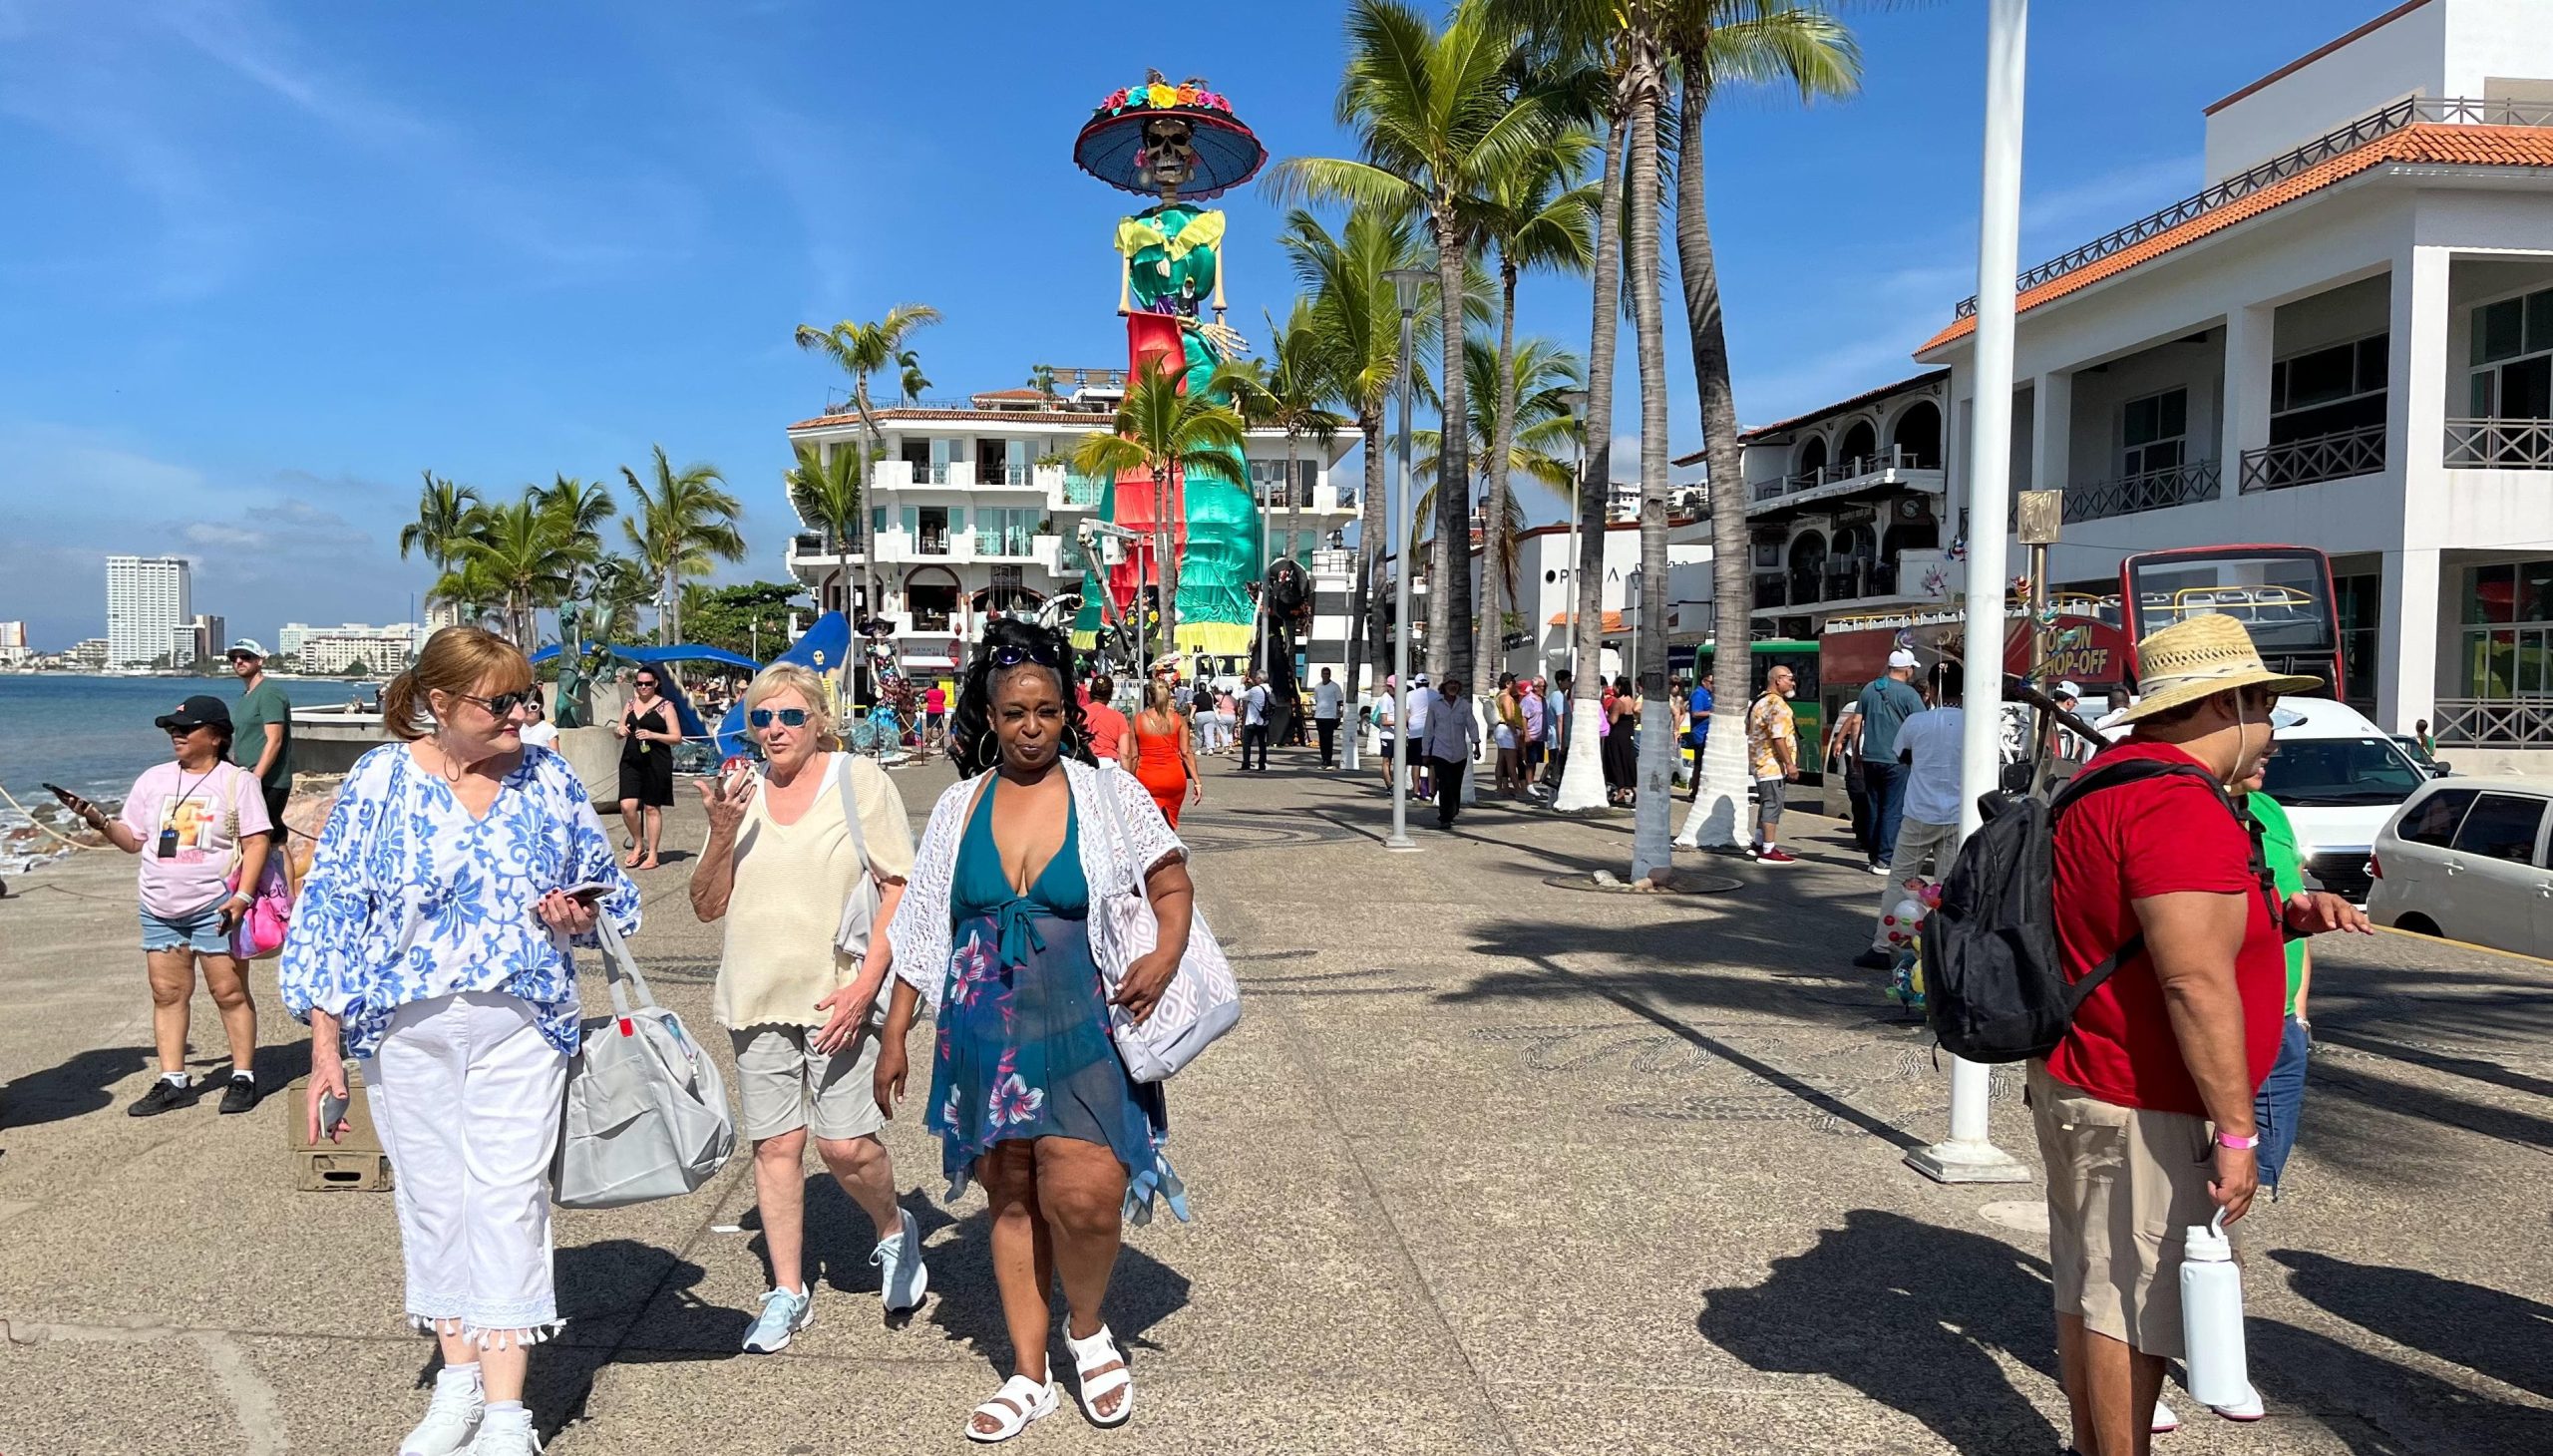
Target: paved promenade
1496	1163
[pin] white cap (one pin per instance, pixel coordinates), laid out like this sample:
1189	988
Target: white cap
2069	688
1902	657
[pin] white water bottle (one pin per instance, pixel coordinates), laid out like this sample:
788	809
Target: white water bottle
2212	1315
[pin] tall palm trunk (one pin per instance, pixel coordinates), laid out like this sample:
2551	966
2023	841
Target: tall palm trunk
856	661
1649	848
1492	654
1582	780
1450	592
1717	810
1364	617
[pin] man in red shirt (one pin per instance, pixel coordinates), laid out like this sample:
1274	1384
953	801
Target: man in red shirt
2144	1110
1108	729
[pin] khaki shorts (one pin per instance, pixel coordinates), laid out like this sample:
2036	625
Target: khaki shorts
782	1084
2123	1185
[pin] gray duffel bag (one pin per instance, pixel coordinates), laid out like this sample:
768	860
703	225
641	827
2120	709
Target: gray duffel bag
647	1110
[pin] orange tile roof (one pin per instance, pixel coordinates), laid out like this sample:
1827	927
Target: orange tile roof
1612	626
2432	143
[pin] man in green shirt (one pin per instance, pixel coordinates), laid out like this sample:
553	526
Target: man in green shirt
262	725
2280	1100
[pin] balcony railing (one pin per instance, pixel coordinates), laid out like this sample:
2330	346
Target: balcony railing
2319	458
932	545
1772	591
2525	722
2499	445
2374	127
2200	480
1854	469
1005	544
1082	490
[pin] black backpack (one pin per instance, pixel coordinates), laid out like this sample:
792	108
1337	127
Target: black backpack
1994	988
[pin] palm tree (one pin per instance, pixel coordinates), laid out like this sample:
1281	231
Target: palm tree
1538	429
1160	429
1359	328
1292	393
1539	216
911	381
863	349
826	490
678	526
444	519
528	553
1042	378
1436	119
1717	41
468	587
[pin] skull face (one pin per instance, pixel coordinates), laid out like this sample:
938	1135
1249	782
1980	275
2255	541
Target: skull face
1167	158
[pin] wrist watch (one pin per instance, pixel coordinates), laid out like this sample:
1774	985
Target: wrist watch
2237	1141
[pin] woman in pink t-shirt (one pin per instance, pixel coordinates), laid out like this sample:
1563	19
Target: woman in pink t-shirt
200	825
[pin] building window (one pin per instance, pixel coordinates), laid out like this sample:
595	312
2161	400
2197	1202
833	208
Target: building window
2357	598
2508	631
2512	354
2327	391
2155	431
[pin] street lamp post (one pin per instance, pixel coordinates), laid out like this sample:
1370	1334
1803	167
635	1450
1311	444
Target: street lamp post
1405	285
1575	400
1969	1154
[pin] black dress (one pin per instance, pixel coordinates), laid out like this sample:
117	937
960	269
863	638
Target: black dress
648	769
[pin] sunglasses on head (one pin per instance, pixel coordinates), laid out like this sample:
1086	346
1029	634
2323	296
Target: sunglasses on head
787	717
502	703
1012	657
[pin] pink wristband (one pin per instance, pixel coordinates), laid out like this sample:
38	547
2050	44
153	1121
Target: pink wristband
2236	1141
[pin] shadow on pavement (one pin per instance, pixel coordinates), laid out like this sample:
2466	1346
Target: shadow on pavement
2505	1337
2376	1407
966	1305
74	1088
1910	1314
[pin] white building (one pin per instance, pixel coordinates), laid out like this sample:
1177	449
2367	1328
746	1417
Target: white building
148	598
89	652
13	644
2343	341
1545	599
322	651
973	509
202	637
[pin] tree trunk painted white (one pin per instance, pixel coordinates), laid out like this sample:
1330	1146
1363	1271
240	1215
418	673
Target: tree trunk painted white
1581	777
1582	773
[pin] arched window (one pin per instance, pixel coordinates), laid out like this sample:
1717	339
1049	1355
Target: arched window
1861	442
1812	456
1808	564
1919	434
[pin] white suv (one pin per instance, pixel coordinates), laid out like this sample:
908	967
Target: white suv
2468	859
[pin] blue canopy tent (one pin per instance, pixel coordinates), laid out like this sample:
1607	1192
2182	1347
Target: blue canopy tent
823	648
694	728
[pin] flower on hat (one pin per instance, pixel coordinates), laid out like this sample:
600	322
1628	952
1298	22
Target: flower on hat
1188	96
1165	94
1116	101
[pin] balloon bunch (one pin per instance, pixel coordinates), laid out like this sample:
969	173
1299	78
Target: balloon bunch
1904	928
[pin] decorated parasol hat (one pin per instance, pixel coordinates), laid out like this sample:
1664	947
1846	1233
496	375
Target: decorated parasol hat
1111	144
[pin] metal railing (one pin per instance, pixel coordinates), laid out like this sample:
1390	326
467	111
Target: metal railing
2499	445
2525	722
1005	543
2154	489
2334	457
1082	490
1859	466
2374	127
1772	591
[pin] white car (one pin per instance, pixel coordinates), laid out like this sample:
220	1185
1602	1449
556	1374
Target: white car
2467	857
2340	778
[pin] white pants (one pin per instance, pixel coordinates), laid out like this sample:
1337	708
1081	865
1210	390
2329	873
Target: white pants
1216	733
1917	843
466	1094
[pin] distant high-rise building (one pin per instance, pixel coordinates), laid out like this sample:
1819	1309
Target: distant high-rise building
198	640
13	642
148	598
325	650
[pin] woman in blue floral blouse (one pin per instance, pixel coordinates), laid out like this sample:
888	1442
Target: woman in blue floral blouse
431	943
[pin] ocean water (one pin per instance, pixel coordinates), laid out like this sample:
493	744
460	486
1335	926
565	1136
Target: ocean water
93	735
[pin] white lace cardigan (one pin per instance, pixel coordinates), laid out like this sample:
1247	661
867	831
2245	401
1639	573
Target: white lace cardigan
919	931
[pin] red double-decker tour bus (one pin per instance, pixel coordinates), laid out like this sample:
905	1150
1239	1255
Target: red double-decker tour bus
2282	594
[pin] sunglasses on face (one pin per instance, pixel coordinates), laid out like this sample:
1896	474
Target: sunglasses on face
787	717
646	682
502	703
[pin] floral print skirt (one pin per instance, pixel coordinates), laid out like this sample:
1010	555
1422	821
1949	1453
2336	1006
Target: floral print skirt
1024	1053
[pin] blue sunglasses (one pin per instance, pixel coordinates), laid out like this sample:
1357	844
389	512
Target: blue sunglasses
788	717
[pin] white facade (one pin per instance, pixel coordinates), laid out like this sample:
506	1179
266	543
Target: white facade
2357	357
1547	594
973	510
13	644
147	599
326	650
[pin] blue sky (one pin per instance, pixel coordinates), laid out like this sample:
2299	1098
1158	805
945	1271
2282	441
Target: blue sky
267	262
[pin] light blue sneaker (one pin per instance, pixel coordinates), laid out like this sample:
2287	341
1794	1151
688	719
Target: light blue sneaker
783	1313
906	1278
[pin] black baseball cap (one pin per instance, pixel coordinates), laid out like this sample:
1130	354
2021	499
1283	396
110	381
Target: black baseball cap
195	712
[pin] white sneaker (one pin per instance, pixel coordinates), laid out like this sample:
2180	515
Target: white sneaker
451	1419
2250	1409
783	1313
905	1278
504	1437
2164	1421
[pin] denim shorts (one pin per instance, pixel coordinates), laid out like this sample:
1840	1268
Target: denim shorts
199	931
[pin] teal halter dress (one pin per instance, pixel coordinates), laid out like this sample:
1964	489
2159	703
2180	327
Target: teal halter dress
1024	1050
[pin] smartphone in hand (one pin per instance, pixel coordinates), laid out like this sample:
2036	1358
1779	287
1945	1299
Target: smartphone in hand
332	1116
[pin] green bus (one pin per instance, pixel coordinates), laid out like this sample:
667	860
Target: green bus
1799	654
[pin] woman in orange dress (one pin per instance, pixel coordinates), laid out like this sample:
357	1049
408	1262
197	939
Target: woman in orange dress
1166	752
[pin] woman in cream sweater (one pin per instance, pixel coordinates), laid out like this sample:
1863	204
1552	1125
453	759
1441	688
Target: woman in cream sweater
797	990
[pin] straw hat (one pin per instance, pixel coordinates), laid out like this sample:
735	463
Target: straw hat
2198	656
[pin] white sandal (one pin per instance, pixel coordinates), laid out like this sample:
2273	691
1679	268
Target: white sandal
1090	1357
1019	1403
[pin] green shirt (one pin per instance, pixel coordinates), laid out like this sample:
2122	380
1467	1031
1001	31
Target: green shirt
257	707
2286	869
